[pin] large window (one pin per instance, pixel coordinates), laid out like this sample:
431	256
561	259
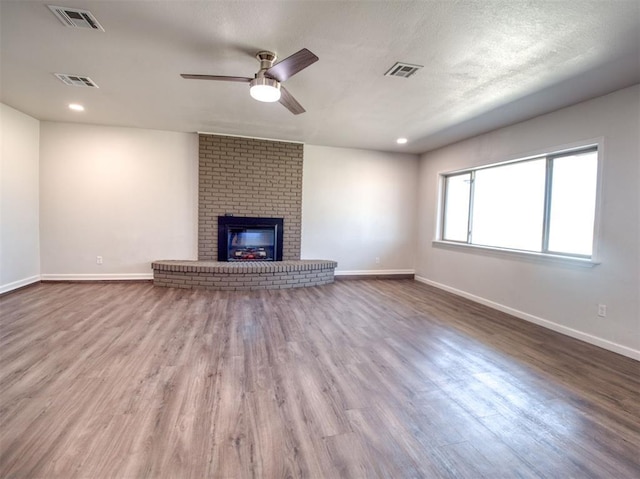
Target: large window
545	204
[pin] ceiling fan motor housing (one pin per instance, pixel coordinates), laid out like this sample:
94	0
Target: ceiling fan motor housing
266	59
263	88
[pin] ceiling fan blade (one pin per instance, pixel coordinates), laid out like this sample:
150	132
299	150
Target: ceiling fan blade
215	77
289	102
291	65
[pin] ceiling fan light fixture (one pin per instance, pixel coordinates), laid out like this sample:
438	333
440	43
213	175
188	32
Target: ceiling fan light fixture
265	89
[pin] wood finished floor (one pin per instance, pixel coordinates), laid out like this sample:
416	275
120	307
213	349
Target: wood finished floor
358	379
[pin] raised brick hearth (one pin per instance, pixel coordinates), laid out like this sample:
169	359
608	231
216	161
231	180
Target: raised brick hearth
242	276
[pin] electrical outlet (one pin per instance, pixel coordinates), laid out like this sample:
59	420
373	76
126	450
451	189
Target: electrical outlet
377	260
602	310
98	259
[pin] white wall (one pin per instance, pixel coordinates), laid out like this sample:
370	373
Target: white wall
19	238
562	297
359	205
128	195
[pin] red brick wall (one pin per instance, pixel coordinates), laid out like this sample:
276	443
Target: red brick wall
249	177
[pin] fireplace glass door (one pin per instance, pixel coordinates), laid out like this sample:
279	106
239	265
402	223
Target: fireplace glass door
246	244
242	238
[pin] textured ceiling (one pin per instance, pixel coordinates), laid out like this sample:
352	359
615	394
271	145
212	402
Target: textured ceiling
486	64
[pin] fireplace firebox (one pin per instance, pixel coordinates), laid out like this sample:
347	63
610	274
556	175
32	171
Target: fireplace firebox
244	238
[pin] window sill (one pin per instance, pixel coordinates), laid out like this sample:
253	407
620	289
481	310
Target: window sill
510	253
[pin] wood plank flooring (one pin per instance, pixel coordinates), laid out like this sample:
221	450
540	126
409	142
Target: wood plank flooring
358	379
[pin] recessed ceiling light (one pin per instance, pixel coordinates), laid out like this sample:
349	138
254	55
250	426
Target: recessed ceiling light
401	141
76	107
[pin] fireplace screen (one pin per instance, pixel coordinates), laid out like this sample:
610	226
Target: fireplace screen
249	239
250	243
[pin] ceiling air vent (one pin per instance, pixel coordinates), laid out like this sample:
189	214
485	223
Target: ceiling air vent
76	18
404	70
76	80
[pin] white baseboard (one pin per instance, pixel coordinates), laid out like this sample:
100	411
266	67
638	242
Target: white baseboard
5	288
97	277
374	272
574	333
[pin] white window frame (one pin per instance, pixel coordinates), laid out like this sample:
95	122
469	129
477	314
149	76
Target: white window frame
549	153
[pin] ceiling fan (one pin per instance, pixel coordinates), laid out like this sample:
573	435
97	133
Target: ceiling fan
266	84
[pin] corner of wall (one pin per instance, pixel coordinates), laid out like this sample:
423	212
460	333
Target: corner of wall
19	199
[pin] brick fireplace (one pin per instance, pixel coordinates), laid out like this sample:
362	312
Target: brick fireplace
259	179
249	177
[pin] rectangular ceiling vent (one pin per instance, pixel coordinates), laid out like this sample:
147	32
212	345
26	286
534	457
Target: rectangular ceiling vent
76	18
76	80
404	70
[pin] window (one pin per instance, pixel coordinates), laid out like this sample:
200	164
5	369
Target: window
544	204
